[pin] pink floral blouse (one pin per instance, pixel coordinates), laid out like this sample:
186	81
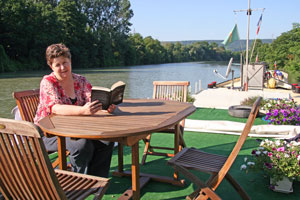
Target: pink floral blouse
52	93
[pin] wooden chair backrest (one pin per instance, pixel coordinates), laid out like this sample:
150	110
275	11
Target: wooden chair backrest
231	158
27	102
26	171
171	90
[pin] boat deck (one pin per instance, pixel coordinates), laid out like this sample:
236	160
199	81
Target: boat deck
223	98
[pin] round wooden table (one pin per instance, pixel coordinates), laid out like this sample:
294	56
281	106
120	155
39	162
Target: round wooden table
132	121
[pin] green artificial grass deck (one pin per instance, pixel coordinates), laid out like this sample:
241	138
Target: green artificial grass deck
255	184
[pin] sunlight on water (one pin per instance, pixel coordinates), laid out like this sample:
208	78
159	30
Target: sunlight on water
138	79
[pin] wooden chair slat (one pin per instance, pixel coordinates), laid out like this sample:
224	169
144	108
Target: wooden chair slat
172	91
42	165
35	171
19	167
5	170
26	171
67	182
77	190
27	102
30	162
25	165
11	167
79	186
216	165
62	178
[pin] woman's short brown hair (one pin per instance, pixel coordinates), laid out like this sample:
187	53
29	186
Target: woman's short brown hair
55	51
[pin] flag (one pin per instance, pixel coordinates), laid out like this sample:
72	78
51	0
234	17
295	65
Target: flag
233	36
256	59
258	24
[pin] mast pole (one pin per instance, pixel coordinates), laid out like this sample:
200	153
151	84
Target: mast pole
247	45
245	75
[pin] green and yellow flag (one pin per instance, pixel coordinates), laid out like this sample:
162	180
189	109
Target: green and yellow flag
233	36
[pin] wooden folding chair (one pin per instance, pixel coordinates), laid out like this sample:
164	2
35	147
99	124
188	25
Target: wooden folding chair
28	102
26	171
216	165
173	91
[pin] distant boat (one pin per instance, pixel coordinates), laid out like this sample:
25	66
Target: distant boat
279	83
253	75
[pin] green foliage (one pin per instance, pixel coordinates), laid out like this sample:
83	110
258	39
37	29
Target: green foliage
285	50
189	98
96	31
250	101
4	60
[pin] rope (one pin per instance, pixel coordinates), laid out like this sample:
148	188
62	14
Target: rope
253	47
241	48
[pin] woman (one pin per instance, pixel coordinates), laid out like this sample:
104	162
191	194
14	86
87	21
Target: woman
65	93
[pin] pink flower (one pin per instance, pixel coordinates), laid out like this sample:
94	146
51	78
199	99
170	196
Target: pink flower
280	149
270	154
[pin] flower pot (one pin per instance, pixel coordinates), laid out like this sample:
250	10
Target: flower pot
297	89
294	87
285	185
210	85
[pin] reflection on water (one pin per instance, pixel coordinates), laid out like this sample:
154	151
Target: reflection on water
138	79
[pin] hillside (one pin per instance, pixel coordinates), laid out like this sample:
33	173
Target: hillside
235	46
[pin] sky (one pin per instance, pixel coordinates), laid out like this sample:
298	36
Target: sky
179	20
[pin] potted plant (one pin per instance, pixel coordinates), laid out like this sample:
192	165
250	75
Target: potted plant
279	159
282	112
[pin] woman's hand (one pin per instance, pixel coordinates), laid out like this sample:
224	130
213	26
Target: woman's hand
111	108
91	108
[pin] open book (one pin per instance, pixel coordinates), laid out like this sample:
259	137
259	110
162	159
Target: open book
107	96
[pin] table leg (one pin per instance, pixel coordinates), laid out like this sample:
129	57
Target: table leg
120	157
61	147
176	145
135	171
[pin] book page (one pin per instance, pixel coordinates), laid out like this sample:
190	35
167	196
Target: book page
100	88
117	84
117	94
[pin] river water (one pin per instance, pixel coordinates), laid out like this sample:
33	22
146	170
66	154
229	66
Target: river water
138	79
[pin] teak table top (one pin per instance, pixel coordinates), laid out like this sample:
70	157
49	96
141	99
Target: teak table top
132	121
133	117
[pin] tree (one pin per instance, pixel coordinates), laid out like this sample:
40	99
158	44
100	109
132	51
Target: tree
96	31
25	29
155	53
73	30
285	50
108	20
138	48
